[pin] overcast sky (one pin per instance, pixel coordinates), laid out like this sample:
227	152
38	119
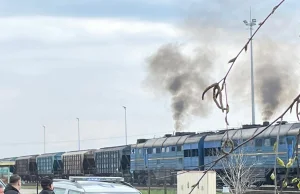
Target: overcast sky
63	59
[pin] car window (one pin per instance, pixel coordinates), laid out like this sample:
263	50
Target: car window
73	192
59	190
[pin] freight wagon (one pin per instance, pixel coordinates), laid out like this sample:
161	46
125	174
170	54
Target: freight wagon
26	168
113	161
78	163
50	165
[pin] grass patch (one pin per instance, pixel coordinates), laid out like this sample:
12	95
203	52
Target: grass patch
160	191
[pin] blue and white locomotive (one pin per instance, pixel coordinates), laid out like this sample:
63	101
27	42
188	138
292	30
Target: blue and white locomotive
196	150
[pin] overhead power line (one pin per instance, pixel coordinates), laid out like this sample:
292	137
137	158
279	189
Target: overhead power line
71	141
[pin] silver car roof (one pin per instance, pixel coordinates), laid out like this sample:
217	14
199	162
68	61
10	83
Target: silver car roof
95	187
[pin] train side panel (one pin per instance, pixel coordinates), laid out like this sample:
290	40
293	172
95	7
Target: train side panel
138	165
26	167
158	158
50	165
193	152
78	163
113	161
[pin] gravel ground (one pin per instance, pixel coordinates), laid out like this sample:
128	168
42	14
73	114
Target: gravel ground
28	191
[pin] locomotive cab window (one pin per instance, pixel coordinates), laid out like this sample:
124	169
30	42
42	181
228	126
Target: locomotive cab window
258	142
249	143
179	148
267	142
167	149
212	151
195	152
273	140
158	150
235	142
282	140
187	153
150	151
208	152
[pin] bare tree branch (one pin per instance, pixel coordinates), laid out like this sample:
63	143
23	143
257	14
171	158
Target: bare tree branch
218	87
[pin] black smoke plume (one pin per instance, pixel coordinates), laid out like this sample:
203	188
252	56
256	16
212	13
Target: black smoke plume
183	77
276	80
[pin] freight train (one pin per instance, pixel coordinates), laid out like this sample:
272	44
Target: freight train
157	160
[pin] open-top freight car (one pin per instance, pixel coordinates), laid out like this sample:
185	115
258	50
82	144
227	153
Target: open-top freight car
26	168
50	165
113	161
79	163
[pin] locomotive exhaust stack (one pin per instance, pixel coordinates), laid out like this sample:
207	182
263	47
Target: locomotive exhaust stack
266	123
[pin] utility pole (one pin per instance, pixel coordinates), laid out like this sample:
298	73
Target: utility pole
44	138
125	125
78	134
251	23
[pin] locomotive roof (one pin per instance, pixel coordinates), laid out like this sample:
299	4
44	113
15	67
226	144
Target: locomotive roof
149	143
193	138
110	149
140	145
168	141
159	142
294	131
175	140
285	129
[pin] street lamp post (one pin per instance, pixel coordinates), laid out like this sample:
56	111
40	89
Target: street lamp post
125	125
78	133
44	138
251	23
